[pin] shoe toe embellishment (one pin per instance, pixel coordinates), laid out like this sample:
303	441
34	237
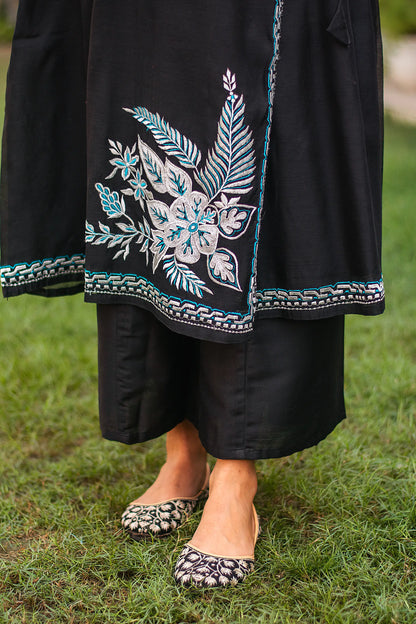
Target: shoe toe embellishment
160	519
198	569
157	520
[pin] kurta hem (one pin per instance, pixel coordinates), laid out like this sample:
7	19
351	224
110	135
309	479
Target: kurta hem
50	277
201	156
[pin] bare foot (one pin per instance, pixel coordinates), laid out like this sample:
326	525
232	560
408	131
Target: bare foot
185	472
175	481
228	525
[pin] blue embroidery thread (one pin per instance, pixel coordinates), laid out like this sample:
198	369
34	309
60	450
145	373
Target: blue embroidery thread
176	235
191	313
363	293
27	273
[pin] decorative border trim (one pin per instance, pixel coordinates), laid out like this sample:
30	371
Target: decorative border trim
308	299
24	273
189	312
341	293
176	309
272	78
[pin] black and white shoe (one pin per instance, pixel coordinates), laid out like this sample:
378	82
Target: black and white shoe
161	519
204	570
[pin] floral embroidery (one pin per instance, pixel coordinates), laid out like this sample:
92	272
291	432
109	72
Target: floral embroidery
157	520
180	225
201	569
163	518
208	571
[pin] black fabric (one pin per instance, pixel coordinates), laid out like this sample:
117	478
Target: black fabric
43	185
251	136
279	392
325	165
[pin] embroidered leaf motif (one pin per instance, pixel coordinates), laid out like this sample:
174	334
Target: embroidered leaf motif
153	167
230	165
229	81
169	139
111	202
145	249
89	232
182	277
223	267
189	226
234	221
159	248
100	240
127	229
116	239
159	212
178	182
145	228
147	235
104	228
121	252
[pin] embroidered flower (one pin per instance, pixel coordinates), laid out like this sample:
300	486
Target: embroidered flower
188	226
192	231
139	186
125	162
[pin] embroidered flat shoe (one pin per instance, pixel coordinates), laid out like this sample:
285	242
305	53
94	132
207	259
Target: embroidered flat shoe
161	519
204	570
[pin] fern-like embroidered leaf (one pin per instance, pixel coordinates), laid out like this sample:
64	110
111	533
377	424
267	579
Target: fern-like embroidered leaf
170	140
230	165
182	277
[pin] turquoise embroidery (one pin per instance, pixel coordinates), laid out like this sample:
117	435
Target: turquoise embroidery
25	273
181	225
341	293
271	95
314	299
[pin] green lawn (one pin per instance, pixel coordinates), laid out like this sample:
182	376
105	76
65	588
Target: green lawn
339	520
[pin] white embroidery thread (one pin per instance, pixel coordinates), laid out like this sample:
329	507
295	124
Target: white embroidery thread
178	233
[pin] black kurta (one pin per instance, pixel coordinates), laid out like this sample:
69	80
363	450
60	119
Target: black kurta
225	156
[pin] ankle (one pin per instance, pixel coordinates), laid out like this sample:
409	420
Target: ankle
235	476
187	463
184	448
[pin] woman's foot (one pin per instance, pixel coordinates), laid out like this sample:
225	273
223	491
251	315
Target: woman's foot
175	480
185	471
228	523
221	553
172	498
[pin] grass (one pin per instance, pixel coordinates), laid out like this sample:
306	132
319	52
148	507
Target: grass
398	17
339	520
6	30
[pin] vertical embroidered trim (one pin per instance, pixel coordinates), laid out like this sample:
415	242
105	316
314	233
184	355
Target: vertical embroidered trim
271	96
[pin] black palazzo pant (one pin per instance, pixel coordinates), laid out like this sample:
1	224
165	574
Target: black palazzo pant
277	393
